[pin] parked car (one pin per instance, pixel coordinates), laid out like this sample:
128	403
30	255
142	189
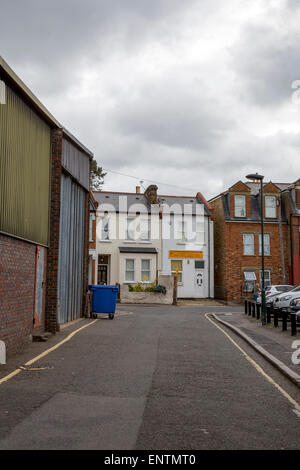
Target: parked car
272	291
278	289
295	304
295	307
284	300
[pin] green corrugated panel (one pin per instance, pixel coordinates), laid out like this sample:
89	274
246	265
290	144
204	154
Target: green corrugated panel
24	171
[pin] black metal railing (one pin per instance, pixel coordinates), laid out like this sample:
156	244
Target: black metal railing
287	318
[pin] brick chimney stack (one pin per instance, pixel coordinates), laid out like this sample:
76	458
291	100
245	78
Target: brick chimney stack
151	194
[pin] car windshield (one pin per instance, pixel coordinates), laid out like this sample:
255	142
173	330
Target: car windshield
284	288
296	289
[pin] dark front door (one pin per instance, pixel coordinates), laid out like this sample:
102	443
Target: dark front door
102	274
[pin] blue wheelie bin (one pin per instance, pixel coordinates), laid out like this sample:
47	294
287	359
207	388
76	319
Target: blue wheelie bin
104	300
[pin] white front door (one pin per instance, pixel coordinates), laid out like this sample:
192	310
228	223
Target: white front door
199	283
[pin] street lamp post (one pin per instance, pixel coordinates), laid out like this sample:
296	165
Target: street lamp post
260	178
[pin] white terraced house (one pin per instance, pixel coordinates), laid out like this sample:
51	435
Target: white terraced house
142	235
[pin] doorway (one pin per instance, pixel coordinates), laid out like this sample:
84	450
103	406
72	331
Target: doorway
199	279
103	270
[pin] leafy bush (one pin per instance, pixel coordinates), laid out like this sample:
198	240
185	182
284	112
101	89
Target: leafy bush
140	287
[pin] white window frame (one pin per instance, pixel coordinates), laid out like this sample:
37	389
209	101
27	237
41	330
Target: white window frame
130	270
145	221
249	284
267	246
181	231
270	207
241	207
200	234
248	244
104	220
91	228
130	220
143	271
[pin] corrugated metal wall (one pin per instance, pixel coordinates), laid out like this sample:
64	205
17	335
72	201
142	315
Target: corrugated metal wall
24	171
71	250
76	163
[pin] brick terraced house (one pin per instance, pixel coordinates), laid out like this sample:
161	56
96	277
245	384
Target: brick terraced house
237	237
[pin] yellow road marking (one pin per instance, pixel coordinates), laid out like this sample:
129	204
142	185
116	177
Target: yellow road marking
45	353
257	367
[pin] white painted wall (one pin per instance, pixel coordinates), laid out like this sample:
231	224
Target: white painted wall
188	288
117	259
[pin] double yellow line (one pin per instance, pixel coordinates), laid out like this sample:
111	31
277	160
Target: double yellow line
257	367
45	353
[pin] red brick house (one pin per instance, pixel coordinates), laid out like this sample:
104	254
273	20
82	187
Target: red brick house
237	237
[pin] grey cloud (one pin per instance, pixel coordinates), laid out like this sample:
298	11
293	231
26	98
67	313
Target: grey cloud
169	114
267	62
185	124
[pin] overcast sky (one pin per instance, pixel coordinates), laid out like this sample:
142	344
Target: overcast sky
193	93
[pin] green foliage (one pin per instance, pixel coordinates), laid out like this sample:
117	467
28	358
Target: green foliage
97	176
153	287
138	287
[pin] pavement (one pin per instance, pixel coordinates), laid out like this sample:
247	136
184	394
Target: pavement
154	378
277	346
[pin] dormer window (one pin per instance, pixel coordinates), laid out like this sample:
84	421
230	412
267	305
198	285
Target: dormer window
239	206
270	207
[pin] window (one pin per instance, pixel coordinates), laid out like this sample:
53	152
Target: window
145	229
249	281
138	229
177	264
248	244
91	229
199	264
145	273
131	228
267	278
266	244
129	270
270	206
200	234
239	206
180	234
105	229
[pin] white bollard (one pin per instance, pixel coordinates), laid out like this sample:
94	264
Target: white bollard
2	353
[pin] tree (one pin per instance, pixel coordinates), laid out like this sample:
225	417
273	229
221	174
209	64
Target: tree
97	176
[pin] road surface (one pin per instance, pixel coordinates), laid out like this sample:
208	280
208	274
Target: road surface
154	378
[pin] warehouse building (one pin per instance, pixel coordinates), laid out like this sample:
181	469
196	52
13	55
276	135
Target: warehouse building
44	216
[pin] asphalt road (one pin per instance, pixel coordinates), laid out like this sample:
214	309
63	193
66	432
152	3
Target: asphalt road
154	378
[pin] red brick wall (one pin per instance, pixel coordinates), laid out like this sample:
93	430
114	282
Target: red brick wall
17	291
236	262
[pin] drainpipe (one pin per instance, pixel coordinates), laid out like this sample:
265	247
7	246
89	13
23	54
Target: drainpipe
209	257
292	251
281	245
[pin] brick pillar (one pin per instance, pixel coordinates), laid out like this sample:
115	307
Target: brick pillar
86	251
52	261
